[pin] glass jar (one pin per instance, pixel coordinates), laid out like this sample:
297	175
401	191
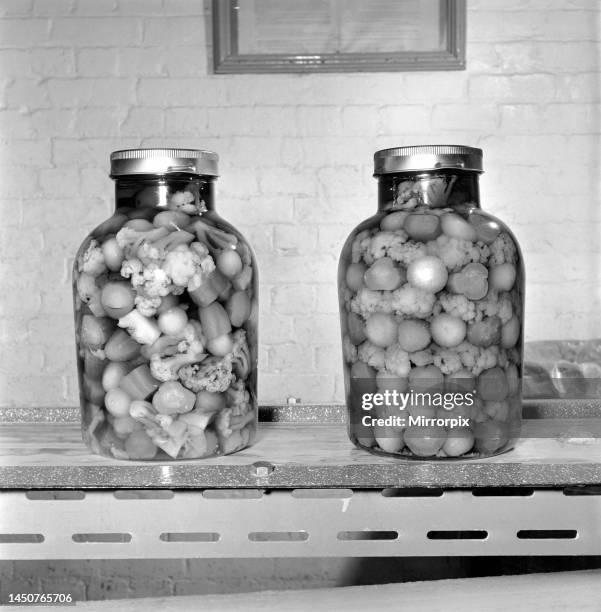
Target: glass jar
431	292
165	299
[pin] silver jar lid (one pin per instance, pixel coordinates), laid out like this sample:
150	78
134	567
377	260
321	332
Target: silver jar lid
427	157
163	161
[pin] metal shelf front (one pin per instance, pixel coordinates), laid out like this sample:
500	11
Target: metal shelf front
302	491
298	523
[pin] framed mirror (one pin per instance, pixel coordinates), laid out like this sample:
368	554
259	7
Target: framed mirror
254	36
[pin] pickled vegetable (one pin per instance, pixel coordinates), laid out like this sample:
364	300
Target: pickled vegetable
354	276
238	308
422	227
384	275
165	304
427	273
414	335
229	263
117	402
173	321
139	383
381	329
431	297
447	330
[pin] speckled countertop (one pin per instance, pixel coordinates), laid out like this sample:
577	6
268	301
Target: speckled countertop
302	446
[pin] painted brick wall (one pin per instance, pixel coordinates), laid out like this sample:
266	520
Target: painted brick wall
80	78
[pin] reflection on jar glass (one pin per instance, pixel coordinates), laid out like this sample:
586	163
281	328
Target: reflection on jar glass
165	299
431	292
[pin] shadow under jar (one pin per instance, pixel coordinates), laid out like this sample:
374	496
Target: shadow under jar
165	300
431	292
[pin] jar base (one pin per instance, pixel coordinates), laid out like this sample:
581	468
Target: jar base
104	443
472	456
164	457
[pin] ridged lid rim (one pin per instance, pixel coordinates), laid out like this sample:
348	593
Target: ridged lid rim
427	157
163	161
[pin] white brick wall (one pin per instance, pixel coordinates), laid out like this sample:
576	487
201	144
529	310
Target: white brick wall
80	78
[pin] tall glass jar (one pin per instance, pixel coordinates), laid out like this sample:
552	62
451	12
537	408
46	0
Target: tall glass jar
431	295
165	299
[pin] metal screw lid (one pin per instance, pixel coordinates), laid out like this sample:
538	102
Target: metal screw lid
163	161
427	157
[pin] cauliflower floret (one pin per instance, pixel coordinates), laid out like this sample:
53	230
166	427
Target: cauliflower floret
149	252
447	360
494	304
240	355
156	250
477	359
181	264
92	261
468	354
406	194
204	268
184	201
192	338
158	272
372	355
488	358
360	246
456	253
488	306
367	301
397	360
168	354
166	367
413	302
483	250
150	280
421	358
491	304
147	305
503	250
349	350
214	374
156	281
133	269
407	252
383	242
457	305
